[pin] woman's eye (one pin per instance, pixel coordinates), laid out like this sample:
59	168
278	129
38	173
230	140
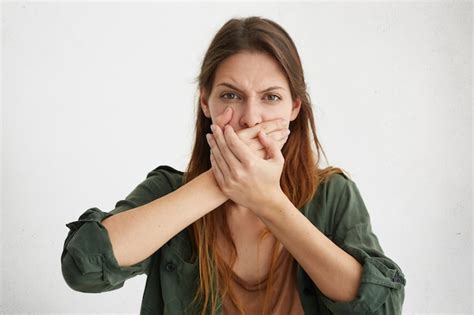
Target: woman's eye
231	95
228	94
274	100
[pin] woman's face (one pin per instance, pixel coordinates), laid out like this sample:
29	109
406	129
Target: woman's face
241	82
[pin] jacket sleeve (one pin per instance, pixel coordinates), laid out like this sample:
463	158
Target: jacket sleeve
382	287
87	260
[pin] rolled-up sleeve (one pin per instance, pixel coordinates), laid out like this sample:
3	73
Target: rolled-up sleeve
87	261
382	287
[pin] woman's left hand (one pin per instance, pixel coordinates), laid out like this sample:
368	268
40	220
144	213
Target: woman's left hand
243	177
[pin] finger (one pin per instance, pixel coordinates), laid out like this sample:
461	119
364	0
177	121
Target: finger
273	152
281	143
266	126
217	171
279	134
280	137
241	151
255	145
224	118
225	152
223	166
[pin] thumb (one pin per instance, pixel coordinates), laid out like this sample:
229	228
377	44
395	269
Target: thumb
273	152
227	116
224	118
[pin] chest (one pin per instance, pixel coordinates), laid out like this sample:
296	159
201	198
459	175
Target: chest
253	253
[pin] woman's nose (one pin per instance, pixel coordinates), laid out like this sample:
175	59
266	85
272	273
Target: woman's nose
250	113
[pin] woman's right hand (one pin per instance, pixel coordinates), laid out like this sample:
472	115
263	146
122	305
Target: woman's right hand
276	129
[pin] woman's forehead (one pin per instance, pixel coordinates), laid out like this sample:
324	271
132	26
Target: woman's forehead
240	79
257	63
260	84
250	71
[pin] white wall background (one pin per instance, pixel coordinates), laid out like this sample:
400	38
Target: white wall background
97	95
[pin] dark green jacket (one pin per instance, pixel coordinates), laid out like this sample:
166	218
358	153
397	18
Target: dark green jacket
337	210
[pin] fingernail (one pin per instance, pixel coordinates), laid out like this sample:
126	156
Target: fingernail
213	128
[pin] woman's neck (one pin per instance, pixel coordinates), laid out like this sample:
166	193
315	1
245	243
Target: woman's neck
236	209
240	216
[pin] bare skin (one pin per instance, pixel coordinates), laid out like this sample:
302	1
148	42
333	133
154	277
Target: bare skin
254	183
137	233
250	73
253	257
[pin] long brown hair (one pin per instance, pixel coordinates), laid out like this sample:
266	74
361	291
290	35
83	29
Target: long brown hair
301	173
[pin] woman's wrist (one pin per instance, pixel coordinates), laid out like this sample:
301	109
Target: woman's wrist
209	181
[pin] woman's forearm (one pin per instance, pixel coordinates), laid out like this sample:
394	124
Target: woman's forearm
137	233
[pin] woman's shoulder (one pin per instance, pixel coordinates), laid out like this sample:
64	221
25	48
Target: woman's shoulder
333	182
168	173
336	195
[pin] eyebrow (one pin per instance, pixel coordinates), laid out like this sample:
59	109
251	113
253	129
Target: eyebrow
237	89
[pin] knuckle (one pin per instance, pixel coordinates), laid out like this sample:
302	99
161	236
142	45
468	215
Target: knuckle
230	142
238	176
250	164
232	145
231	183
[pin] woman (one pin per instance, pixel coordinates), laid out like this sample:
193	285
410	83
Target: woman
254	225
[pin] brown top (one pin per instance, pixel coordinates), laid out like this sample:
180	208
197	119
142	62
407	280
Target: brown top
285	299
